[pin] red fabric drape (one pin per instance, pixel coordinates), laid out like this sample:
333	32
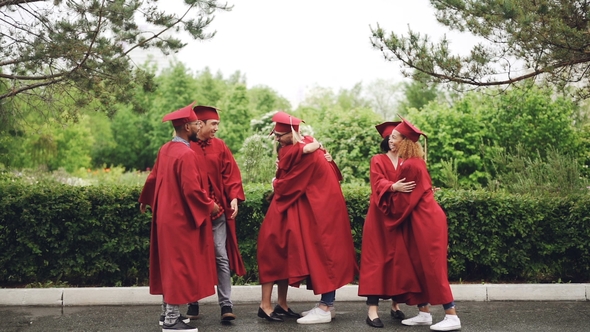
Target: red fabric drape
422	224
182	256
306	232
386	269
224	175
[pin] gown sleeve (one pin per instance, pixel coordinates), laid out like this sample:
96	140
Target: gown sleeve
412	169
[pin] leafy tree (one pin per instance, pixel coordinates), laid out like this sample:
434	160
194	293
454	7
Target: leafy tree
458	135
264	99
131	139
210	90
74	146
525	39
236	78
176	89
104	141
534	118
50	48
39	140
345	124
350	137
555	173
320	101
472	132
137	137
235	118
353	98
263	124
417	95
316	103
383	97
15	148
52	145
257	159
583	128
11	137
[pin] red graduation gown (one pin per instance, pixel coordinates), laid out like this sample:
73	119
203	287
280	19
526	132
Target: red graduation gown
226	179
306	231
182	254
384	255
423	225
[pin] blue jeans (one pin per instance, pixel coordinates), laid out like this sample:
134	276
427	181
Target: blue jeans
328	298
446	306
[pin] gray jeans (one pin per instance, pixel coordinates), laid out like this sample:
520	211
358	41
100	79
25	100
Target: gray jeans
171	313
222	262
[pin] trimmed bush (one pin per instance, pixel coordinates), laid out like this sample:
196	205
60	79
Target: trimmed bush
81	235
95	235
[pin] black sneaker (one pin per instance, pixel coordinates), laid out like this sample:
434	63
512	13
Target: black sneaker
182	318
397	314
227	313
179	326
193	311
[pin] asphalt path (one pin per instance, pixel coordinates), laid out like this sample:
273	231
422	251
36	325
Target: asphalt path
495	316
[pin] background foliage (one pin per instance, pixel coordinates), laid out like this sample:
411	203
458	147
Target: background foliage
59	56
73	106
95	235
520	40
476	140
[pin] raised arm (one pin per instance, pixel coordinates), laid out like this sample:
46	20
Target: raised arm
311	147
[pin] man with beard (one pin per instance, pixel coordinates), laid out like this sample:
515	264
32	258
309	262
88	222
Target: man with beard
224	185
182	263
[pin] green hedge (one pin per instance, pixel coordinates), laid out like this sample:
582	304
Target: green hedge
95	235
501	237
81	235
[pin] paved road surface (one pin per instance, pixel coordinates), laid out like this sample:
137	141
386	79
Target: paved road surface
495	316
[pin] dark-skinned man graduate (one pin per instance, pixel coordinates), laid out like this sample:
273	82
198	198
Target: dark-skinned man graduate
182	261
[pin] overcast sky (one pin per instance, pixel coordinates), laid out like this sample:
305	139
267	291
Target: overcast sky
294	45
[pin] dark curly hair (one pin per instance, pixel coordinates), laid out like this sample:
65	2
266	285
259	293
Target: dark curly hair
385	145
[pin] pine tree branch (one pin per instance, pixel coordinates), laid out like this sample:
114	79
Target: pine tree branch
548	69
14	92
158	34
31	78
17	2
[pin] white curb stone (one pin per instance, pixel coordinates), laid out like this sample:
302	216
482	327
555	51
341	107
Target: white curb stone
251	294
470	292
537	292
31	296
109	295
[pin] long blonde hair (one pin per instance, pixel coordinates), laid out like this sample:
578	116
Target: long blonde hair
297	137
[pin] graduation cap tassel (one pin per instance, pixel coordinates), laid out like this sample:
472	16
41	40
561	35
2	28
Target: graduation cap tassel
426	149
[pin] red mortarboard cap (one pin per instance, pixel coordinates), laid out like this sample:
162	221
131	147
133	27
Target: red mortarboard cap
181	116
409	130
284	121
386	128
206	112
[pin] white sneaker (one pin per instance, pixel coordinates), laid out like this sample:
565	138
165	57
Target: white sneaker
316	316
450	323
332	311
423	318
